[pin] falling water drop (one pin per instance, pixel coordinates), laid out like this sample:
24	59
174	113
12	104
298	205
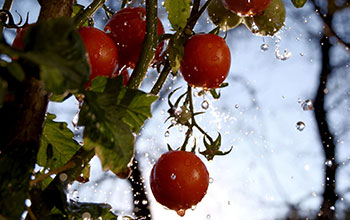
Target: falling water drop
307	105
300	125
264	47
205	104
167	133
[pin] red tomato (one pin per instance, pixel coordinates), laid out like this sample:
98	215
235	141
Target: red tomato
127	29
206	61
179	180
102	52
246	7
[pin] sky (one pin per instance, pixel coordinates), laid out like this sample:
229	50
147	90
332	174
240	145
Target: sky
272	164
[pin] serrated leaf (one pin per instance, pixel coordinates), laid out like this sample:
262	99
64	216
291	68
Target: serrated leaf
57	144
56	47
111	119
299	3
178	12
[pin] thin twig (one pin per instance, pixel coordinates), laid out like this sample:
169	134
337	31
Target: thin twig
40	178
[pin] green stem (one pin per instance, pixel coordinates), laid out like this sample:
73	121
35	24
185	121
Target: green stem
81	18
148	48
162	78
193	120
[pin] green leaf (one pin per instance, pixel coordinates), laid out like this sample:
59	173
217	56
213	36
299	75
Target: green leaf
299	3
178	12
57	144
16	71
56	47
111	119
77	10
175	52
98	84
77	210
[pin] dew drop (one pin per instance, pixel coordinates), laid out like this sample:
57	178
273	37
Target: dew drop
300	125
211	179
86	216
193	207
264	47
167	134
205	104
181	212
332	208
173	176
63	177
307	105
236	106
144	202
328	163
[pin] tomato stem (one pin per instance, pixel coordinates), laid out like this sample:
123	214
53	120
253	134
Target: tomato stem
6	6
148	47
81	18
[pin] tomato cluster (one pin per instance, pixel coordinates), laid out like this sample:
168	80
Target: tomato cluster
179	180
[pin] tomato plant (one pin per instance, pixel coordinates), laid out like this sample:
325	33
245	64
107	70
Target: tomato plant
179	180
222	17
245	7
127	29
206	61
103	54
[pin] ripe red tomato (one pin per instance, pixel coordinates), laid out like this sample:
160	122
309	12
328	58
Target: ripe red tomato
206	61
127	29
179	180
246	7
102	52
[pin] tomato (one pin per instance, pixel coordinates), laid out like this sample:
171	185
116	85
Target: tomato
179	180
101	50
127	29
206	61
246	7
222	17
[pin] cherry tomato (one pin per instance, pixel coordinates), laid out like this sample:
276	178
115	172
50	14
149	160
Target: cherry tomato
179	180
206	61
102	52
246	7
127	29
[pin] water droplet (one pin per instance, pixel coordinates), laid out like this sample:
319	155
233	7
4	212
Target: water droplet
264	47
167	134
136	202
208	216
332	208
181	212
86	216
307	105
328	163
211	179
314	194
205	104
63	177
193	207
285	56
144	202
300	125
173	176
236	106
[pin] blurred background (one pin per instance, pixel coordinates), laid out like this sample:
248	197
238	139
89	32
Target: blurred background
286	113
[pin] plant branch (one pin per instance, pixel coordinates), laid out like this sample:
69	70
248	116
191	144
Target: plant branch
6	6
40	178
81	18
162	78
148	47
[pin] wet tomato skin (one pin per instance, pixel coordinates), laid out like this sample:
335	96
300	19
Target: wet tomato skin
101	50
206	61
179	180
127	29
246	7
